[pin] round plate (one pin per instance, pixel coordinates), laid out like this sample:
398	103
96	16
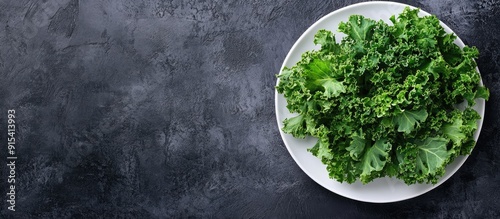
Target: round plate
381	190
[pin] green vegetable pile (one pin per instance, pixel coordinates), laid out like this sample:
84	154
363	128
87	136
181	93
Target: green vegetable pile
383	101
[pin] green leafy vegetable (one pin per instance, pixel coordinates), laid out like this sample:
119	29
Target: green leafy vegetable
382	101
407	120
453	132
357	147
432	154
374	159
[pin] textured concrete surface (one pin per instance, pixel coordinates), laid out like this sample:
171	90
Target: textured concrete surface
160	109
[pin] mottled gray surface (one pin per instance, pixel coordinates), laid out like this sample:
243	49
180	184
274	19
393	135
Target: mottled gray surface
148	109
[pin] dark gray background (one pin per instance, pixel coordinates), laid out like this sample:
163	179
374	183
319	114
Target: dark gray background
158	109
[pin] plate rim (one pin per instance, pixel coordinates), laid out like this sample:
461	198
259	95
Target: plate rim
442	179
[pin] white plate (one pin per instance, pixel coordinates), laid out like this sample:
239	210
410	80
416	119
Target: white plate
381	190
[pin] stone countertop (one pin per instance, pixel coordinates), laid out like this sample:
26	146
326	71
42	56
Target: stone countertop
165	109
